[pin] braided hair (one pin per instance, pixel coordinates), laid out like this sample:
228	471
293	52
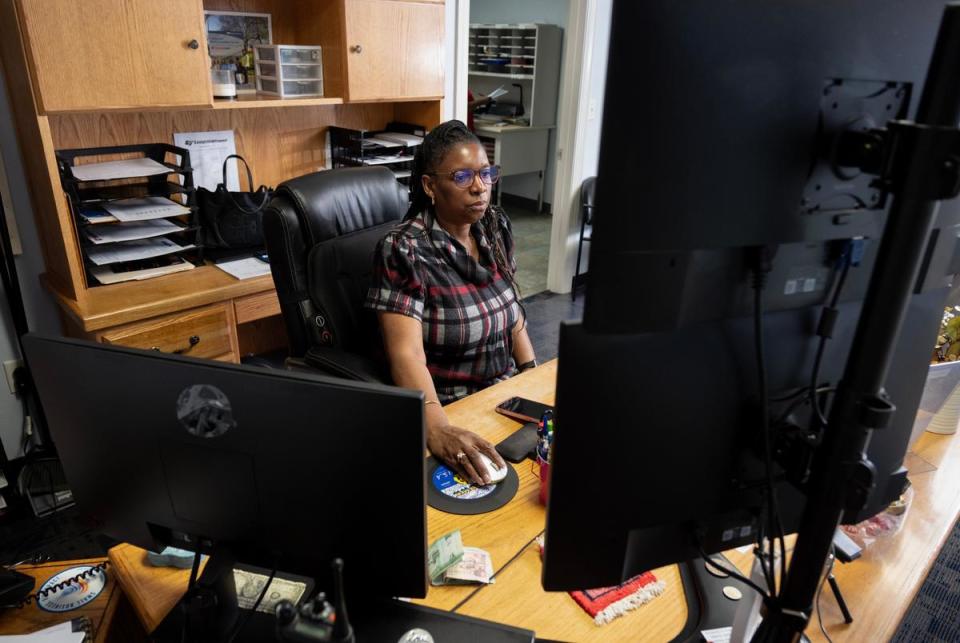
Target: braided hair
430	153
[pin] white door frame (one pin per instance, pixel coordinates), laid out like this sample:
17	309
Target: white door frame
575	83
460	58
572	115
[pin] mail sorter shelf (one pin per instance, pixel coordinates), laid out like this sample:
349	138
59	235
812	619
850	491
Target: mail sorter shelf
135	214
524	60
355	148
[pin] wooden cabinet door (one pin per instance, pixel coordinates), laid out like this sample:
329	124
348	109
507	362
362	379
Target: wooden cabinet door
102	54
394	49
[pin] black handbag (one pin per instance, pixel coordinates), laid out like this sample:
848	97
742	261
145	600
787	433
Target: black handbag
233	220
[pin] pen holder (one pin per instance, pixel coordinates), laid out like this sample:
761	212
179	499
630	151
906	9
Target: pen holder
544	479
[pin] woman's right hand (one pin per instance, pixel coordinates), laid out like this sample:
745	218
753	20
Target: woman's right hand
447	442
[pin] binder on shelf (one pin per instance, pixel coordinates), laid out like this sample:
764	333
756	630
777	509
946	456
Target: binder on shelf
393	147
145	201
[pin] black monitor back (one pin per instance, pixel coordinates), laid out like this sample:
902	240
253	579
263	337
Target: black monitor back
719	126
657	443
281	469
731	110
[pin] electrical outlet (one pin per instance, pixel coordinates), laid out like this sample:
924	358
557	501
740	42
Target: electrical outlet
9	367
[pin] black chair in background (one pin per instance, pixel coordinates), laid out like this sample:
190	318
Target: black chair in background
587	192
321	231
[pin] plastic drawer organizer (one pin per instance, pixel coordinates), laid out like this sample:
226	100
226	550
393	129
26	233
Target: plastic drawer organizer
289	70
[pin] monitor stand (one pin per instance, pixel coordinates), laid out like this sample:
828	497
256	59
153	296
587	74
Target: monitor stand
208	611
707	606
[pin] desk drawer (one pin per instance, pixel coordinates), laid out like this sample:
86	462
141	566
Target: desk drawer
203	332
257	306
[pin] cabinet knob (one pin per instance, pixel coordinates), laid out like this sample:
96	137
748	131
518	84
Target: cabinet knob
194	44
357	49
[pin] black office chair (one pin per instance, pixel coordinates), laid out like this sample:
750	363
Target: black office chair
321	231
587	193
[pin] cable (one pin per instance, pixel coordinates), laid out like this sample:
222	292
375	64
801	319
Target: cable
803	400
253	609
827	322
820	591
802	390
43	593
502	567
765	564
775	526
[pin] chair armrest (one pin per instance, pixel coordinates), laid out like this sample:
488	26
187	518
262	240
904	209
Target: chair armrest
339	363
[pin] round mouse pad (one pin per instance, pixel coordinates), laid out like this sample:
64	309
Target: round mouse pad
450	493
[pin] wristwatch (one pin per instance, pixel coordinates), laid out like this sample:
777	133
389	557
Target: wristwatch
526	366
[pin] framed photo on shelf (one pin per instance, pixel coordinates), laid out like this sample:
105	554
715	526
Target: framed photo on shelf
231	36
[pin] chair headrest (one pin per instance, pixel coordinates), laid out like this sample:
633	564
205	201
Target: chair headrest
336	202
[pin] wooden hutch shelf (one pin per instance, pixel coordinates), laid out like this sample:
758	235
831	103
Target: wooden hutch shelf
255	101
382	61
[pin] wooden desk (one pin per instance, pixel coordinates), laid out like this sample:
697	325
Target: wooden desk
517	597
108	612
231	317
878	588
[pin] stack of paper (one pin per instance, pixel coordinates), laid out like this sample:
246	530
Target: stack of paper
410	140
382	160
151	207
62	633
111	170
134	250
380	141
94	214
112	232
166	266
245	268
497	93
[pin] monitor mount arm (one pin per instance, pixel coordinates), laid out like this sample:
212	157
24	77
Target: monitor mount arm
918	163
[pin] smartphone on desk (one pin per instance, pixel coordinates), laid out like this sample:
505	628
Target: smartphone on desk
522	410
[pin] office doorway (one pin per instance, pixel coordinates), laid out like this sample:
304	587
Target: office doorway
546	239
509	61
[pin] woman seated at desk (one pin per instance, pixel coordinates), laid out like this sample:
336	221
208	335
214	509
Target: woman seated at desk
444	291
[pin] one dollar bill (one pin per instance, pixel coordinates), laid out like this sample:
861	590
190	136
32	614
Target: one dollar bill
250	585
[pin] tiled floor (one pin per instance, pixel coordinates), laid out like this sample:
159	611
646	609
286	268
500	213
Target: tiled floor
531	236
545	311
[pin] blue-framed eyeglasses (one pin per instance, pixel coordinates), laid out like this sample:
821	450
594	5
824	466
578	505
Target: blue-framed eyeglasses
464	178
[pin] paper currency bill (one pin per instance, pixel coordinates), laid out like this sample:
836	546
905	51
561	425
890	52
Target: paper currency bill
249	585
474	567
446	551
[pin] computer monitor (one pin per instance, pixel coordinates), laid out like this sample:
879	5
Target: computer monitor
276	468
720	139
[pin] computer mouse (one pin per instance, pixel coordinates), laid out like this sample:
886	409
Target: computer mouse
496	475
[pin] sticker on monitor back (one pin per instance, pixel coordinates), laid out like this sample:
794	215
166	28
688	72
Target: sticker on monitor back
451	484
76	594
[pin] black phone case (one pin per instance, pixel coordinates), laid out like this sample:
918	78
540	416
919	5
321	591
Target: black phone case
521	444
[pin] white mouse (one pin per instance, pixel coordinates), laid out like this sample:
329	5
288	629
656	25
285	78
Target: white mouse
496	475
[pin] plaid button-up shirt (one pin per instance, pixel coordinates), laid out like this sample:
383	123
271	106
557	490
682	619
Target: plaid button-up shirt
467	307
